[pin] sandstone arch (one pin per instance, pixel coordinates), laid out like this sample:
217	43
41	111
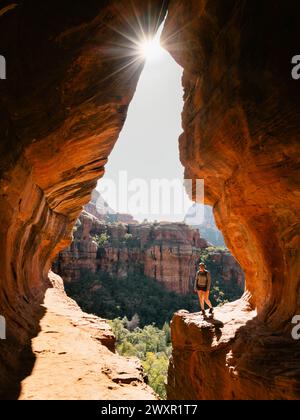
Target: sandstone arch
241	132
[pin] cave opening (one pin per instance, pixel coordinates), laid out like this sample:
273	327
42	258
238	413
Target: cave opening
144	175
63	103
151	254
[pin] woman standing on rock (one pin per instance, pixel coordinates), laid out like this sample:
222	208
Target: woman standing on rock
202	288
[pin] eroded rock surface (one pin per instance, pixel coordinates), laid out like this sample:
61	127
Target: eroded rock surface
70	79
69	83
231	356
74	357
241	134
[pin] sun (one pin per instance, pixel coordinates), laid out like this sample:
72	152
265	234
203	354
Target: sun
150	49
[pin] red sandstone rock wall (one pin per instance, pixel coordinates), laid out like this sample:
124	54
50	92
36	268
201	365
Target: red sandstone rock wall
231	357
69	83
241	134
62	108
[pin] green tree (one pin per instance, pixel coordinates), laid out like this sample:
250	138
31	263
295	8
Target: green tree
167	330
156	369
102	240
151	345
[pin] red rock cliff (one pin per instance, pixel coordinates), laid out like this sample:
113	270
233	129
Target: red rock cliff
241	134
167	252
71	75
224	265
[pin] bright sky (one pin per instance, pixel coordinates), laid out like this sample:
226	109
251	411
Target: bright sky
148	144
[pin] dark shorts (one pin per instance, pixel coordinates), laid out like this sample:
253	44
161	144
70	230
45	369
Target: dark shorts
202	289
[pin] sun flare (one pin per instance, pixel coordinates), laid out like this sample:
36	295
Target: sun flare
150	49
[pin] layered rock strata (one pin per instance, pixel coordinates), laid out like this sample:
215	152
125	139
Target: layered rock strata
166	252
72	70
241	134
231	357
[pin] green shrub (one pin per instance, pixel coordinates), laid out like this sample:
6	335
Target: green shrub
110	298
151	345
102	240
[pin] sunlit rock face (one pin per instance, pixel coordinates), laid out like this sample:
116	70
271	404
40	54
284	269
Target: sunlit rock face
62	106
241	134
231	357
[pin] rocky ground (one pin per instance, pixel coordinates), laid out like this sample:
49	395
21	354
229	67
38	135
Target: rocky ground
73	360
231	356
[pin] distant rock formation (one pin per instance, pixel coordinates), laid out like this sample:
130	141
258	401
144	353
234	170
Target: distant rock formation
207	227
167	252
225	267
99	208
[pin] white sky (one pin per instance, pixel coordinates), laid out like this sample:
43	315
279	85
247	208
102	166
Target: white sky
148	144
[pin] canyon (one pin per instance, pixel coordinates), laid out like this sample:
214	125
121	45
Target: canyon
70	79
166	252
